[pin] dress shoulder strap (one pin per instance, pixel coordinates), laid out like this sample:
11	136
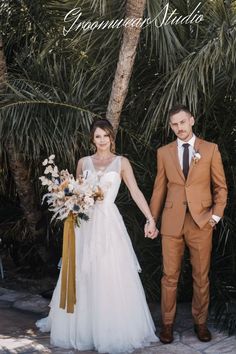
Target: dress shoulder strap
117	164
86	163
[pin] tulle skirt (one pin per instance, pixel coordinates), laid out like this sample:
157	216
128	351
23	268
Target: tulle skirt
111	314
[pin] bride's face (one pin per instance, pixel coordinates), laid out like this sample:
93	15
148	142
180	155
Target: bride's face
102	140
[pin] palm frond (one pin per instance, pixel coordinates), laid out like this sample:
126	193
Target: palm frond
196	76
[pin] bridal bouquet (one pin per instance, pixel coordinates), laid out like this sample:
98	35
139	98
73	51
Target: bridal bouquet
67	195
69	199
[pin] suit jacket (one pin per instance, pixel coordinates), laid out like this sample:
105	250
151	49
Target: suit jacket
204	191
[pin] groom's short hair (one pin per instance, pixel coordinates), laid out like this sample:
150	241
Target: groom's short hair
178	108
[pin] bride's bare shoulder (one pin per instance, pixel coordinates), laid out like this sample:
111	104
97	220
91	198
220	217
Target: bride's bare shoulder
124	158
125	162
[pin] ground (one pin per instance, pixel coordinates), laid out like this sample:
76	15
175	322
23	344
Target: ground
22	304
18	334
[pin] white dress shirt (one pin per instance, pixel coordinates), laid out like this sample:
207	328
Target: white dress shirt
191	150
191	143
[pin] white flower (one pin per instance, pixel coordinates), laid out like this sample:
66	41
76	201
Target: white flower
48	170
49	160
51	157
196	157
55	172
45	181
60	195
71	187
88	200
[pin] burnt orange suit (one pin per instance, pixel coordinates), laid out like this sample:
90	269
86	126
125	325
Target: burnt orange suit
186	206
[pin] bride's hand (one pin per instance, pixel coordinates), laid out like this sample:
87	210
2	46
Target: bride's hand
150	230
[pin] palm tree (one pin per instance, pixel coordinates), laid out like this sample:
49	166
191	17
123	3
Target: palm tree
24	126
204	73
134	10
19	170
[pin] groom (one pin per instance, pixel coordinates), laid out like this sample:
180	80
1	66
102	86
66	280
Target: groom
190	189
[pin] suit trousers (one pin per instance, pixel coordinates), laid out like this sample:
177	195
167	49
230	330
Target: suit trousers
199	242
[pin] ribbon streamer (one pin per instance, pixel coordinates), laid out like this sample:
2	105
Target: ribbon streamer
68	289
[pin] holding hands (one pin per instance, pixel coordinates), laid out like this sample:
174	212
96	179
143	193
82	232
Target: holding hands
150	229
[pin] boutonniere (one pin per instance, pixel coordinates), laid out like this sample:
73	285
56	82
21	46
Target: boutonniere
196	157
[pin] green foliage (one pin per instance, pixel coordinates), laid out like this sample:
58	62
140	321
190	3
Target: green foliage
223	275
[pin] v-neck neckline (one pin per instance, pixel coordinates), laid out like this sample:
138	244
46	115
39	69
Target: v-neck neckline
103	171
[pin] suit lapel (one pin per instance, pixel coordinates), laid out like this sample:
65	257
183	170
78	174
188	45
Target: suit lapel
173	148
192	164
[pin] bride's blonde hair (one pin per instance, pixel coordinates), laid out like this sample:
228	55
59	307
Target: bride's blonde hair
105	125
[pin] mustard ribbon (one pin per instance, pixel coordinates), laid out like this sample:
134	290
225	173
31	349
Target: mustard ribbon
68	290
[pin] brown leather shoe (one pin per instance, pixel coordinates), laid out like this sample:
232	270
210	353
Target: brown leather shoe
166	334
202	332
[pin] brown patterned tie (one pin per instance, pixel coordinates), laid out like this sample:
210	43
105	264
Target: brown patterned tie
186	159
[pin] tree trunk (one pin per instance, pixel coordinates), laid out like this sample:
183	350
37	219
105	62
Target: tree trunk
134	10
19	170
25	190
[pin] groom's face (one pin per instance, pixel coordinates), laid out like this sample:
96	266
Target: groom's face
182	125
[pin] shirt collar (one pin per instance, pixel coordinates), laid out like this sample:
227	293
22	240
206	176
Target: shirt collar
190	142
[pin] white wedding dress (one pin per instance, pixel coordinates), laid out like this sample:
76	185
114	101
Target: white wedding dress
111	314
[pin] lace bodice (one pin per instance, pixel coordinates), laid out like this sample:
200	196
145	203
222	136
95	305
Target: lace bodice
109	177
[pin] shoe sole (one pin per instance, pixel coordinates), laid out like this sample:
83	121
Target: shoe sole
165	342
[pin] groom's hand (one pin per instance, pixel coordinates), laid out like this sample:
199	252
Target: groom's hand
154	234
150	230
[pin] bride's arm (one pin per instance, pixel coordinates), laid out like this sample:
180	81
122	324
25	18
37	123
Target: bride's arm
79	170
130	181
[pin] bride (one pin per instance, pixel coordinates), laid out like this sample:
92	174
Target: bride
111	314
